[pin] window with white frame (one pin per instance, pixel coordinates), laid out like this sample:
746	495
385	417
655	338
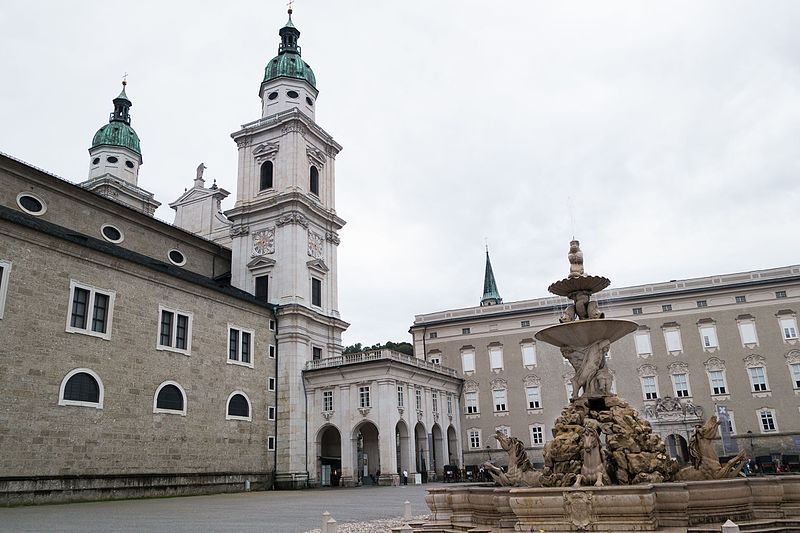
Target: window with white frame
471	402
780	294
505	430
240	346
794	370
747	332
499	396
534	397
401	396
363	396
174	330
758	378
528	354
327	400
270	413
680	385
270	443
449	404
81	387
5	272
649	387
435	358
170	398
272	351
741	299
418	398
90	311
642	340
474	439
465	331
717	380
672	338
537	435
496	357
767	421
789	327
708	336
525	323
468	360
270	384
435	401
238	407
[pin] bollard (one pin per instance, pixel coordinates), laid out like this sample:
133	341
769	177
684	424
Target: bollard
247	485
406	510
325	517
730	527
332	527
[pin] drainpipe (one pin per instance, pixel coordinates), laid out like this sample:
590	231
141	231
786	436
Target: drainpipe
275	432
305	393
424	347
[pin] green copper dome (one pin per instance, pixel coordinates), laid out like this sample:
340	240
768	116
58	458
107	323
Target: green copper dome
118	131
288	63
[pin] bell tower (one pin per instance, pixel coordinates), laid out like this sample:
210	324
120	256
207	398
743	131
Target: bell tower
285	235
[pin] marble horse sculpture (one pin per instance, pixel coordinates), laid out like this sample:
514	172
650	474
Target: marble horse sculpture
705	462
593	469
520	470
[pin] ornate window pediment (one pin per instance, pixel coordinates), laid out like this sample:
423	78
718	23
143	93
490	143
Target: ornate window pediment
532	380
261	262
471	386
793	356
498	383
714	363
754	360
318	265
315	156
647	370
265	150
679	367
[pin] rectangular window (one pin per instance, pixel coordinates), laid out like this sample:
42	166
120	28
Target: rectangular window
262	288
174	330
529	354
474	439
702	303
780	294
450	402
496	358
534	397
505	430
433	335
794	369
672	337
435	359
165	338
363	396
272	325
327	400
789	328
758	379
272	351
465	331
649	388
471	402
525	324
767	418
537	436
271	443
681	385
401	396
499	396
642	340
270	413
468	360
90	312
717	380
316	353
747	331
316	292
709	336
5	271
418	393
637	310
271	384
240	345
741	299
666	307
435	401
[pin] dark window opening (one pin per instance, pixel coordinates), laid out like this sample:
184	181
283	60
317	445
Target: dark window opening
80	299
316	353
314	180
96	161
273	95
82	388
112	159
176	257
181	331
266	176
111	233
166	328
238	406
233	345
99	317
316	292
129	164
170	397
309	101
262	288
292	94
245	347
30	203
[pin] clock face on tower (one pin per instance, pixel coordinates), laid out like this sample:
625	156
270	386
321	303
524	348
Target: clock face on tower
264	242
314	245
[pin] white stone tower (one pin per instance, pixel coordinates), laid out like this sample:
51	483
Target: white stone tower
285	236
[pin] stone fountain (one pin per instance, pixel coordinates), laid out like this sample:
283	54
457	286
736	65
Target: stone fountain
604	468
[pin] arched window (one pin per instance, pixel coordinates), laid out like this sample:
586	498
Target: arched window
238	406
81	387
314	180
266	175
170	398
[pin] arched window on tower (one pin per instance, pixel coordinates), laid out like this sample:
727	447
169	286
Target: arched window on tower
314	180
266	175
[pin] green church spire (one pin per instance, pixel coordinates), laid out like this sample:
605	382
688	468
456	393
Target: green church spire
288	63
490	294
118	131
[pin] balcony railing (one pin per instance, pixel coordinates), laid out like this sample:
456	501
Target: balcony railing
378	355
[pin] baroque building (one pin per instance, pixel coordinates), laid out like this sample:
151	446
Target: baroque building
722	344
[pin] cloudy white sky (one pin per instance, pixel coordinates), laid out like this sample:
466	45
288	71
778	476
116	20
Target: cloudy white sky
671	128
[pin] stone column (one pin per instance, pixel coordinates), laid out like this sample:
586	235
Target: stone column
386	426
346	434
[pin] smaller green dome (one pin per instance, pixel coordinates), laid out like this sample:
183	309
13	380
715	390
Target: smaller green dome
290	66
117	134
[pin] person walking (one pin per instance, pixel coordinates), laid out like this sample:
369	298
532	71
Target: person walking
405	477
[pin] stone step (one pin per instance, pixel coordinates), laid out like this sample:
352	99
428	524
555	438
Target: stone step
755	526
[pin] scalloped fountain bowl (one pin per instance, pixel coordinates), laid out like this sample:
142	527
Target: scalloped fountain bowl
586	332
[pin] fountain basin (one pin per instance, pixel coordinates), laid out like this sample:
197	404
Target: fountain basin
585	332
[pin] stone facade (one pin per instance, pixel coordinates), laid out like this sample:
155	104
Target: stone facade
736	327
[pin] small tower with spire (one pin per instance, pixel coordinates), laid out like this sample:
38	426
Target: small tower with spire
115	157
490	294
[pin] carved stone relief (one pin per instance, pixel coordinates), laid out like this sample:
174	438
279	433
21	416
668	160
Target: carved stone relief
292	218
647	370
333	237
314	244
237	231
754	360
532	380
678	367
714	363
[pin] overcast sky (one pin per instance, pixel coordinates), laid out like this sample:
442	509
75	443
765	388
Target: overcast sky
672	129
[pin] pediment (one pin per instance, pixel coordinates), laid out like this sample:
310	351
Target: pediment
261	262
265	149
318	265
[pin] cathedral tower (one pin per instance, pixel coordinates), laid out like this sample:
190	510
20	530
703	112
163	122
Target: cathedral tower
285	236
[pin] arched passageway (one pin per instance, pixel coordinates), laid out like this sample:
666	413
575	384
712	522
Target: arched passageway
452	446
329	451
401	446
677	448
367	450
438	450
421	450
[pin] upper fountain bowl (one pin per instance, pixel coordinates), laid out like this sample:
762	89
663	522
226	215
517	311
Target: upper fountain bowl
585	332
569	286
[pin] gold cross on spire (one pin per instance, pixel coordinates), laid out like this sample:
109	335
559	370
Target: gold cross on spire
125	79
289	3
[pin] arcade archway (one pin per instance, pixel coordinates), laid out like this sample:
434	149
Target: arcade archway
329	451
367	450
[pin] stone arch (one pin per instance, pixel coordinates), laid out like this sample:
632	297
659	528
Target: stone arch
329	455
366	447
421	449
438	450
402	446
677	448
452	446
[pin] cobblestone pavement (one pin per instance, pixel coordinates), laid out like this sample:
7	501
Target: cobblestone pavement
279	512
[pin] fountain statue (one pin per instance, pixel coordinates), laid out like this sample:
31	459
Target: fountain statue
520	470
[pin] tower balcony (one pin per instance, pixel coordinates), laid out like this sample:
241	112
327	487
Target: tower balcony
383	354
